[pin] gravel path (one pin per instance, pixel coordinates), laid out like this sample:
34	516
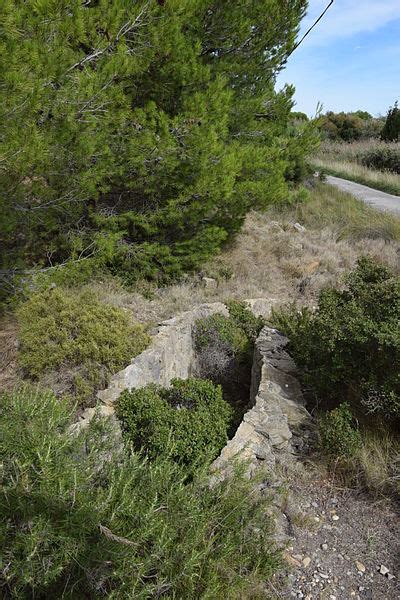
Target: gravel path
375	198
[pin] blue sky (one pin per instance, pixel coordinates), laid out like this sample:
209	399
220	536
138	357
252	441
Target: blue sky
351	60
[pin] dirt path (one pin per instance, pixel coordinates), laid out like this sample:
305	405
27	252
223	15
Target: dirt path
343	546
375	198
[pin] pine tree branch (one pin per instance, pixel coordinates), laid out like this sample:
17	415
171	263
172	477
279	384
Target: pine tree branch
124	30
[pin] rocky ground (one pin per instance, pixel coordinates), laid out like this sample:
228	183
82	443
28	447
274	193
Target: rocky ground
340	544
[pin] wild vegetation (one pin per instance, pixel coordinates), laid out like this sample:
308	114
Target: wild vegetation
225	348
137	136
188	421
350	127
371	162
83	518
147	164
348	350
74	342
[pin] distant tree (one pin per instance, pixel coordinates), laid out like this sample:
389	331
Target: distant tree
349	127
298	116
363	114
391	129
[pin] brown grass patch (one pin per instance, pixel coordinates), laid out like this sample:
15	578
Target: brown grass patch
272	259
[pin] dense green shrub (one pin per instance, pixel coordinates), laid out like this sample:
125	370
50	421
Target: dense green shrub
391	129
187	422
82	518
136	135
349	127
244	318
383	159
71	331
350	346
338	435
237	332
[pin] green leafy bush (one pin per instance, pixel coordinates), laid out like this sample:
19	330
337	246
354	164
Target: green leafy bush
338	435
350	346
71	332
244	318
188	421
82	518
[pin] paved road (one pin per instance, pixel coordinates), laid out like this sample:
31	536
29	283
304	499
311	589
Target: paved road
375	198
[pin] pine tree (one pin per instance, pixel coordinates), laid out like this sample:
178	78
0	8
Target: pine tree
139	132
391	129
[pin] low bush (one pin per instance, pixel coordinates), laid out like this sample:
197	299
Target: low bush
339	436
187	422
71	332
222	341
223	329
349	348
82	518
244	318
224	347
383	159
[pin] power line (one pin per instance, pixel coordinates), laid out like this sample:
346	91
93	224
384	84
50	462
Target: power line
310	29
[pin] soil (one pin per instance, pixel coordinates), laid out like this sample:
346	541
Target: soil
342	545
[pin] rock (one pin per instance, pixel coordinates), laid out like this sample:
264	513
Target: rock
324	546
277	406
298	227
261	307
390	576
209	282
383	570
276	226
306	562
360	566
335	518
291	560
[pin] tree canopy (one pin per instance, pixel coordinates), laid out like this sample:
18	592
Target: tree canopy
136	135
391	129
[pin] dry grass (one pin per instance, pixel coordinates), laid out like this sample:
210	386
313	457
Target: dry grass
342	159
271	259
8	353
351	151
380	180
379	462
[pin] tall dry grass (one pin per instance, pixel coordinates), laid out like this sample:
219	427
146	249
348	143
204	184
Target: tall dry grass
272	259
343	160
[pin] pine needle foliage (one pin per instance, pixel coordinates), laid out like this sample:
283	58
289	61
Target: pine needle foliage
82	518
136	135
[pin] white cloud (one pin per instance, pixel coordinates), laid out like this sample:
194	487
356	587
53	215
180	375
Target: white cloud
348	17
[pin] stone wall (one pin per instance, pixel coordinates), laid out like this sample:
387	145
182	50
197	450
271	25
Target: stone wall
171	354
269	430
266	432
